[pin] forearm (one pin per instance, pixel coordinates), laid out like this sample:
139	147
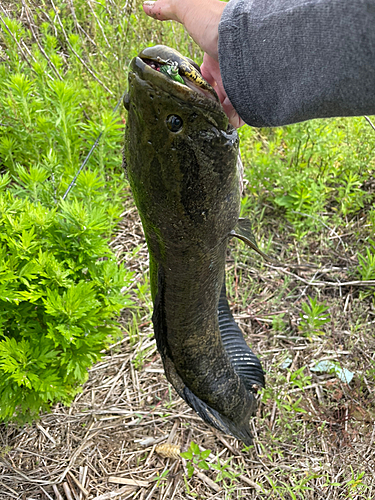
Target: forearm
285	61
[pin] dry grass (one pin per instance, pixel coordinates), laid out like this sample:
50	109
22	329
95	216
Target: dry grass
104	445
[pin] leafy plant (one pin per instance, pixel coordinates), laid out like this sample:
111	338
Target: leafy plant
61	291
278	323
195	458
226	476
159	478
350	195
356	485
366	267
313	317
61	286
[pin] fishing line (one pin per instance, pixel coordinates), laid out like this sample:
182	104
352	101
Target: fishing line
91	151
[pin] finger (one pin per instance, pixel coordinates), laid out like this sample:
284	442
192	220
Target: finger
162	10
236	121
210	69
234	117
211	73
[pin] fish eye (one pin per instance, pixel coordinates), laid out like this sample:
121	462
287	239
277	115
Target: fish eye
174	123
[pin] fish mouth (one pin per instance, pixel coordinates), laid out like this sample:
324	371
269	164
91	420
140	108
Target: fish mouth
181	70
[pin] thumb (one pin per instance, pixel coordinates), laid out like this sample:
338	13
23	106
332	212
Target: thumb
234	117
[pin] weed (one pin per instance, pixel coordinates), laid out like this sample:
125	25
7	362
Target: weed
133	329
195	458
61	285
160	478
313	318
355	485
350	196
226	475
278	323
366	267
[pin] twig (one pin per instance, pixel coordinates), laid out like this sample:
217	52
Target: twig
321	222
99	24
114	494
208	481
129	482
370	122
67	491
252	483
46	433
82	479
79	28
13	37
50	63
13	493
47	494
74	457
24	476
57	493
173	432
323	283
80	486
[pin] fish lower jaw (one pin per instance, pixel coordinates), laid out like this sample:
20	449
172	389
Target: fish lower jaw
199	90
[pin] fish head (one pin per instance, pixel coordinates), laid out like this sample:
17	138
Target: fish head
180	150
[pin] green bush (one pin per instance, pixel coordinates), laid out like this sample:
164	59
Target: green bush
60	291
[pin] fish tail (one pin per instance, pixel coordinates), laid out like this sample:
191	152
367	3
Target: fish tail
222	423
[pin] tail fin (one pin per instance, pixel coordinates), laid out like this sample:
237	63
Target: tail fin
214	418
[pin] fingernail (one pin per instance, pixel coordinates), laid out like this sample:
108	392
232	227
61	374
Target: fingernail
149	3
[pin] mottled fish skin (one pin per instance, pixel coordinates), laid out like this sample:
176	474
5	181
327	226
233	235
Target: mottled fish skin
185	184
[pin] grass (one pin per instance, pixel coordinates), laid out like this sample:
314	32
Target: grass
309	191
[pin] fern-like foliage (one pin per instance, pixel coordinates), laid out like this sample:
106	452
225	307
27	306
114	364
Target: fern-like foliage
60	293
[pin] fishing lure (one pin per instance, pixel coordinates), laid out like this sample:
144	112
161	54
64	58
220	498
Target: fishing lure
171	69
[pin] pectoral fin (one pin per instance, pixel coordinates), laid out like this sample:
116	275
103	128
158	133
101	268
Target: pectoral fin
243	232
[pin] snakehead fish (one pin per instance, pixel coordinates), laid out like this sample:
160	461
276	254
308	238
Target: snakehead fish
181	159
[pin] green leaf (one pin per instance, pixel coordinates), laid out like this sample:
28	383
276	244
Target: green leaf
4	179
194	448
205	454
203	465
190	470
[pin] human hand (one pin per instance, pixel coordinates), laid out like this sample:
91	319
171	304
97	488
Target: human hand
211	73
201	19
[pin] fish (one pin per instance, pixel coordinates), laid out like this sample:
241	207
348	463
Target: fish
181	159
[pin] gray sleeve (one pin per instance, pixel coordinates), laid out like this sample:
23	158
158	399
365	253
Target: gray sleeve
285	61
